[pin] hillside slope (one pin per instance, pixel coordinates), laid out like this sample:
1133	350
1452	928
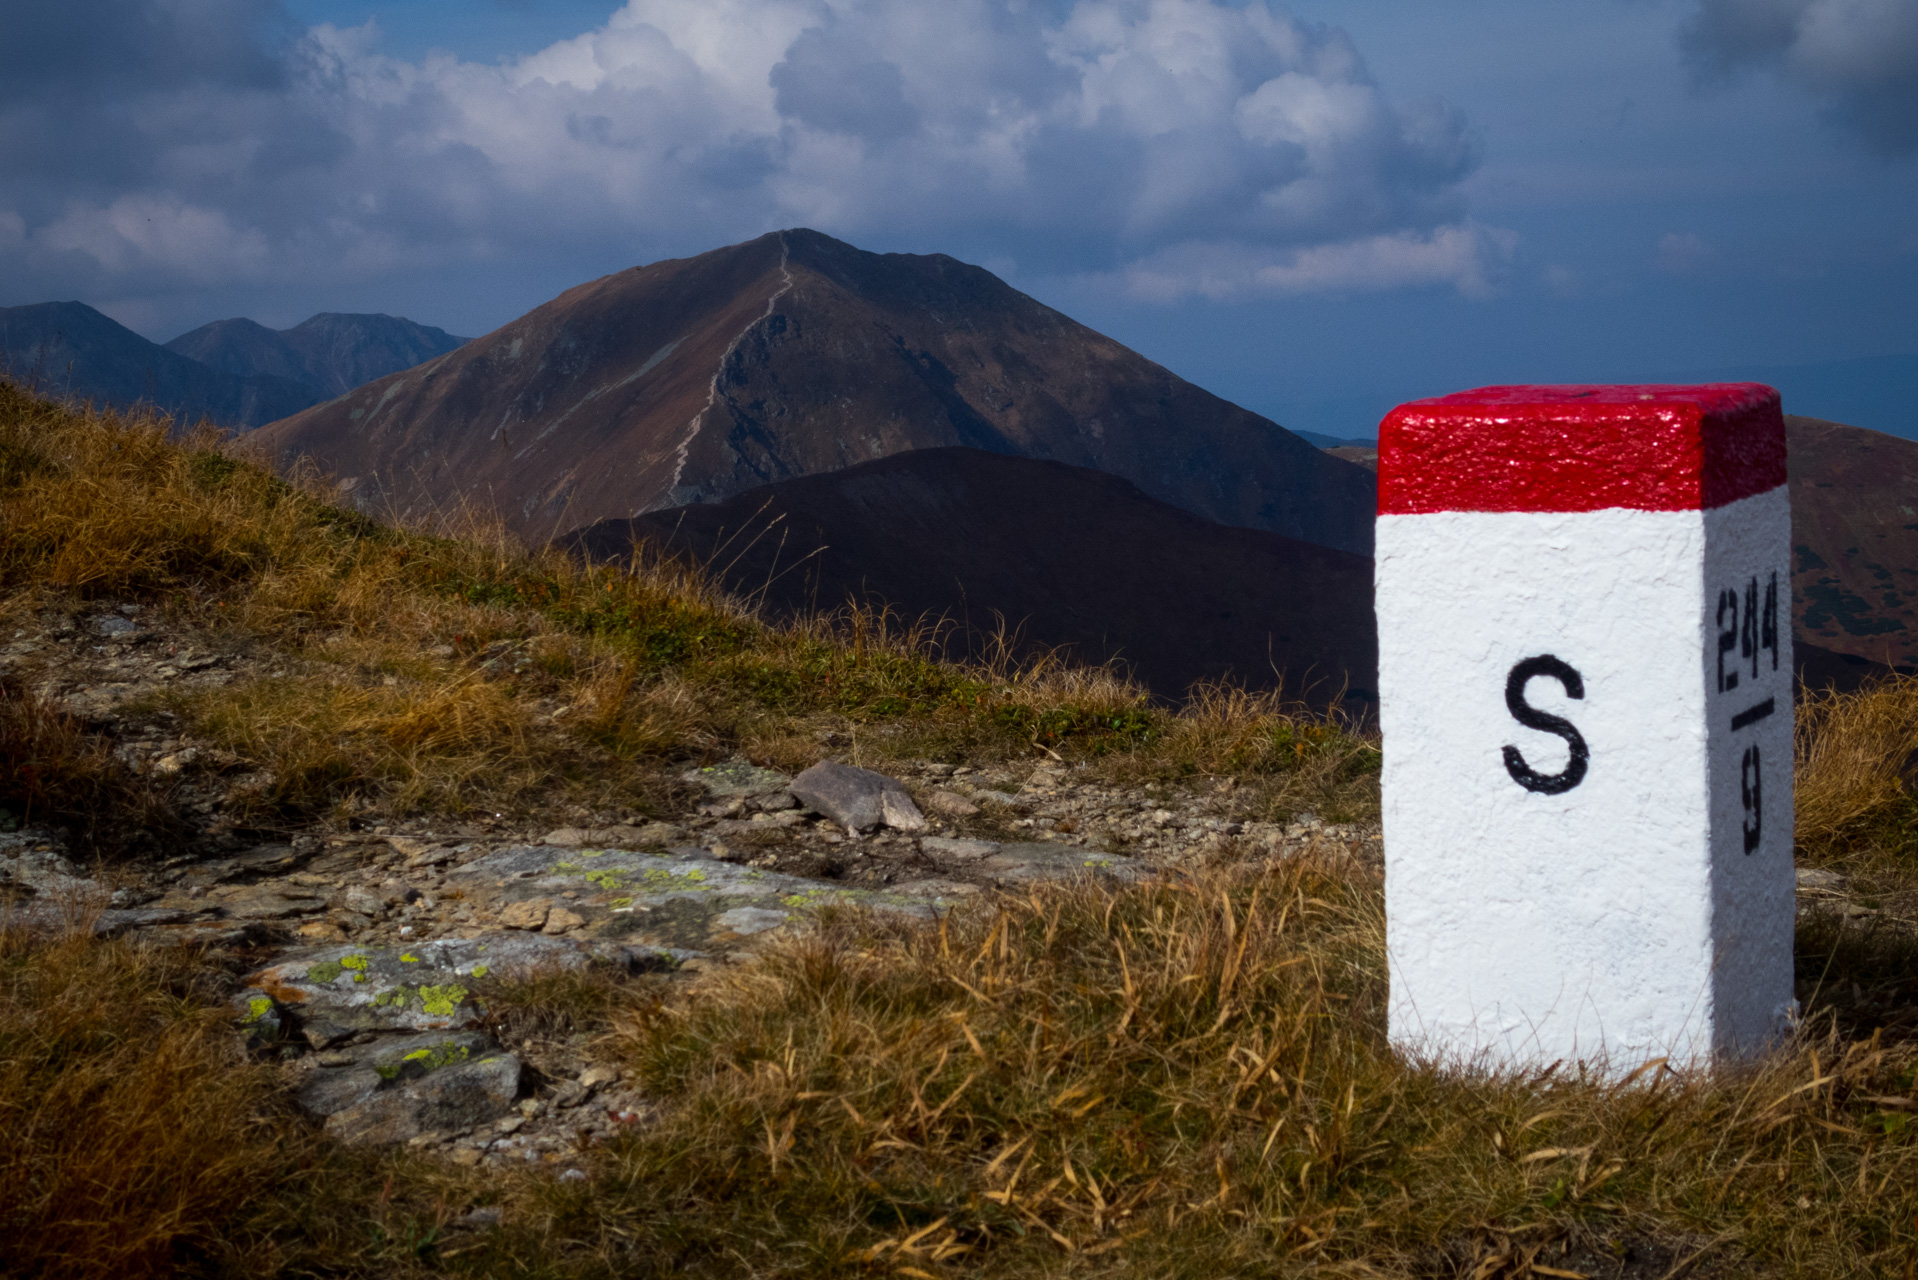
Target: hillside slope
68	349
1069	556
1854	514
695	379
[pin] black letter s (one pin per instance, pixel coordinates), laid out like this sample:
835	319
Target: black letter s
1531	717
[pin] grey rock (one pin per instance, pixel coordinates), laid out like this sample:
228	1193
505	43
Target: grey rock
738	778
404	1087
1819	878
113	628
857	799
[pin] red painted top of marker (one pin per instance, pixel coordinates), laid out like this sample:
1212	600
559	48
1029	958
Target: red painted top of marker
1576	448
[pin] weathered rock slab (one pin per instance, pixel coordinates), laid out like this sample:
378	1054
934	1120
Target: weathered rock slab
398	1087
1023	862
681	901
427	986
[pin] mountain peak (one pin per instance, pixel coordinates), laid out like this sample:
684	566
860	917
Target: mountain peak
791	354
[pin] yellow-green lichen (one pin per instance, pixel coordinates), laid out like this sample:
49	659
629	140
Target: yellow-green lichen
357	964
479	970
407	959
258	1007
621	902
325	971
440	1055
442	1001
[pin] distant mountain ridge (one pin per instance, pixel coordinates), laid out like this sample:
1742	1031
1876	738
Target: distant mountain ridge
234	372
694	379
332	352
69	350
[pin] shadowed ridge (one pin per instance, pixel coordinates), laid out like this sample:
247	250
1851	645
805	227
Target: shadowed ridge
1068	556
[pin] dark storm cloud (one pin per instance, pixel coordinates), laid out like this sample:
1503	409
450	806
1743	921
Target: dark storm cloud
1860	56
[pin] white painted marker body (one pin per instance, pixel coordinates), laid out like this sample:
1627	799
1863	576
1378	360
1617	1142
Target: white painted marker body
1610	913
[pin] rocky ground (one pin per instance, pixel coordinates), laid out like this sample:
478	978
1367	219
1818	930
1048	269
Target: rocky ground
365	950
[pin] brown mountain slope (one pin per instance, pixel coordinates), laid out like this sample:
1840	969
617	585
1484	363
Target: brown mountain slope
794	354
1854	516
1070	556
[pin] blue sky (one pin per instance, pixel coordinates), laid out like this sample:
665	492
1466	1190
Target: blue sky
1315	210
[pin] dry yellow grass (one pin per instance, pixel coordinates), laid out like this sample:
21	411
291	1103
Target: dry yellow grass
137	1138
1190	1078
1856	753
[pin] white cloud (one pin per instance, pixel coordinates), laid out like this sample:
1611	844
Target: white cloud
1162	139
1465	256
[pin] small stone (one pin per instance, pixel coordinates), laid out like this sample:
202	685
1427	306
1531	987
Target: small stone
511	1124
570	1093
597	1077
573	1175
530	914
950	803
857	799
566	837
363	901
559	920
467	1157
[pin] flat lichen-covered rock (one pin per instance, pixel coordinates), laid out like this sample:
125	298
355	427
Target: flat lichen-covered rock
427	986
